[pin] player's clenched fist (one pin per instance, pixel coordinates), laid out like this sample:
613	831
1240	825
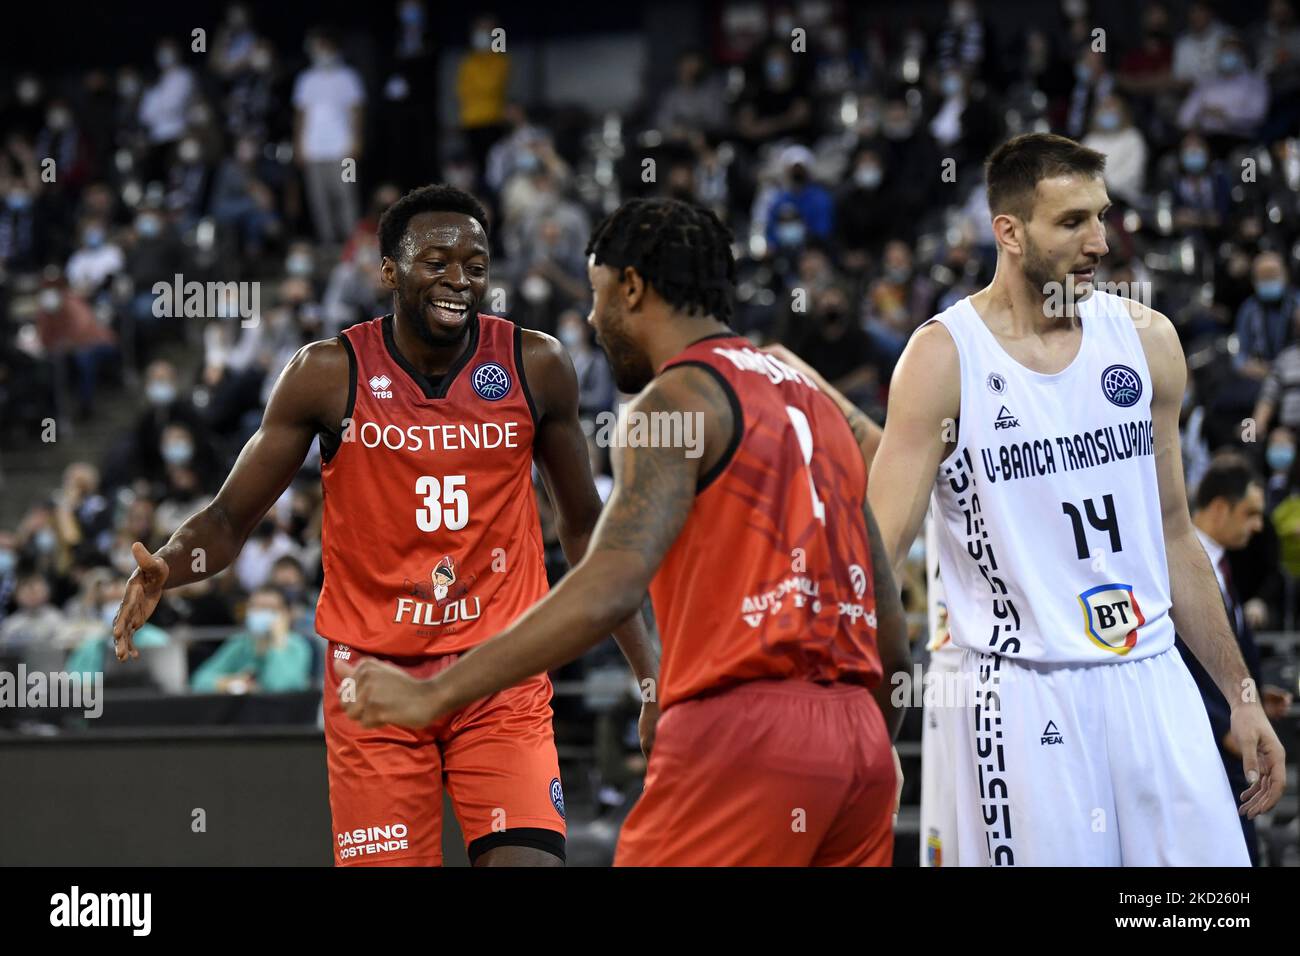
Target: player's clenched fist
143	592
374	693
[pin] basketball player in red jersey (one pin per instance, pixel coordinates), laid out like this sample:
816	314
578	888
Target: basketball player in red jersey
429	421
776	603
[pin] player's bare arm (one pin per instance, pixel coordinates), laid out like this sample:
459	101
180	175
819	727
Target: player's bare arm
1197	608
920	431
560	449
310	396
865	431
652	498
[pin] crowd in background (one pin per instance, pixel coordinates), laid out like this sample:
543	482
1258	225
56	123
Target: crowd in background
849	173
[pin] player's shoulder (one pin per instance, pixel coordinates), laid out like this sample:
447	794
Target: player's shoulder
552	379
690	387
930	358
324	357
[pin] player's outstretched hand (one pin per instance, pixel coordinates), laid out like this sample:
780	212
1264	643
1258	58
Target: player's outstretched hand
374	693
646	725
1263	758
143	592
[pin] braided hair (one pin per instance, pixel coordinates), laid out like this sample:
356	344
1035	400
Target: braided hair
681	249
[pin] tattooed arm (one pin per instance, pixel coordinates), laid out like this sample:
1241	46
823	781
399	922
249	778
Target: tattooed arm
652	498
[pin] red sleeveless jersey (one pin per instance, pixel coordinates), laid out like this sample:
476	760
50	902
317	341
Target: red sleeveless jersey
771	576
431	542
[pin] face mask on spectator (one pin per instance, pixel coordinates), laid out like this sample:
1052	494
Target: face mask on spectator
160	393
1280	457
148	226
775	68
189	151
177	453
260	620
950	84
17	199
1194	160
29	91
412	14
572	338
1270	290
1229	61
166	58
128	86
1083	73
8	560
868	177
260	60
94	238
45	540
897	129
482	39
58	119
535	289
790	234
48	300
1108	120
898	274
527	161
298	265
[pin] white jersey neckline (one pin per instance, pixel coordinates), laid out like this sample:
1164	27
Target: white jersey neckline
990	339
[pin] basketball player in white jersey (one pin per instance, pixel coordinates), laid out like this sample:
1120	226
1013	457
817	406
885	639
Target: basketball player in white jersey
1040	418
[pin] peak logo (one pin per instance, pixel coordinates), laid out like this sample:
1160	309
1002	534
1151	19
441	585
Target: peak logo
1005	420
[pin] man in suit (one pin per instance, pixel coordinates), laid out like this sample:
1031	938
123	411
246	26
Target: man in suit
1227	511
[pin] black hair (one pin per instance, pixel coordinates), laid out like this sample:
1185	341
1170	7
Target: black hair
1014	169
680	248
436	198
1228	476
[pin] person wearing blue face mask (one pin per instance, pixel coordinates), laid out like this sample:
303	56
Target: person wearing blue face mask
267	655
1266	320
1280	458
804	208
1124	146
1228	102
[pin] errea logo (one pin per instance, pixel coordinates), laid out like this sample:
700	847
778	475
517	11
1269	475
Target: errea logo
379	386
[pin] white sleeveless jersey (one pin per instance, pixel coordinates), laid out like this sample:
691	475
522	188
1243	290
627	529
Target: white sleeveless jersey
1048	512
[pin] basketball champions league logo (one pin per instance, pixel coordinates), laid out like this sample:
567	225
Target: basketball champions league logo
490	381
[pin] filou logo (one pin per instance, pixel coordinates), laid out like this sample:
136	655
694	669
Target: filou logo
379	386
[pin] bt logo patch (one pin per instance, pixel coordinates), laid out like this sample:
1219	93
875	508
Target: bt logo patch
1121	385
557	796
1111	617
490	381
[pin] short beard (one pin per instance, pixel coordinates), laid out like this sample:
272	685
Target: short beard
631	368
414	310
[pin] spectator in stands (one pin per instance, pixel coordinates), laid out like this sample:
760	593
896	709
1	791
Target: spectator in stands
1196	51
514	152
595	382
1228	511
776	104
810	202
35	621
243	202
695	103
481	80
1266	321
897	302
1281	458
1125	148
329	104
266	656
96	261
1201	200
164	105
82	515
67	329
834	344
154	254
1229	102
1277	51
1092	84
8	570
22	234
910	158
93	629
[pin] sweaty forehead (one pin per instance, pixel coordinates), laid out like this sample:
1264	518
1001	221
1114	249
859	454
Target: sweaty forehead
1057	194
451	230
